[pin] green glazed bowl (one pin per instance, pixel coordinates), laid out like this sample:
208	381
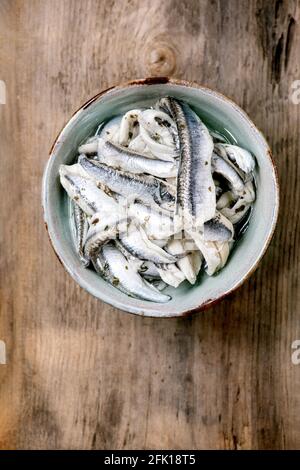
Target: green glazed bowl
219	113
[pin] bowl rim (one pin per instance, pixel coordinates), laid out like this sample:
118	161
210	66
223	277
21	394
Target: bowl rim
183	83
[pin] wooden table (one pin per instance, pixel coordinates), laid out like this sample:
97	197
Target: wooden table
81	374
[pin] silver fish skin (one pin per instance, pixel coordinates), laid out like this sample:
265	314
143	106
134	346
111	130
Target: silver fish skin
227	170
139	245
84	191
240	157
117	270
221	150
218	229
149	270
80	228
136	263
146	188
122	158
195	189
103	228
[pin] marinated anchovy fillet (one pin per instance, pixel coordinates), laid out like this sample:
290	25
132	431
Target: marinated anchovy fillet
218	229
156	196
190	266
146	188
90	147
122	158
139	245
101	231
171	274
161	243
158	131
196	189
235	208
80	228
241	157
227	170
117	270
158	225
149	270
110	130
214	253
139	145
129	126
181	246
84	191
136	263
225	200
190	263
160	123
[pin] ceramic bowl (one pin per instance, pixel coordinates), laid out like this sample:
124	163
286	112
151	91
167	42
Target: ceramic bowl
219	113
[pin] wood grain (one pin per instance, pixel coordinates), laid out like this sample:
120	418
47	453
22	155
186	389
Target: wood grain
81	374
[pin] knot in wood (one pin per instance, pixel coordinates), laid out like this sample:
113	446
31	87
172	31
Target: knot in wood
161	59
